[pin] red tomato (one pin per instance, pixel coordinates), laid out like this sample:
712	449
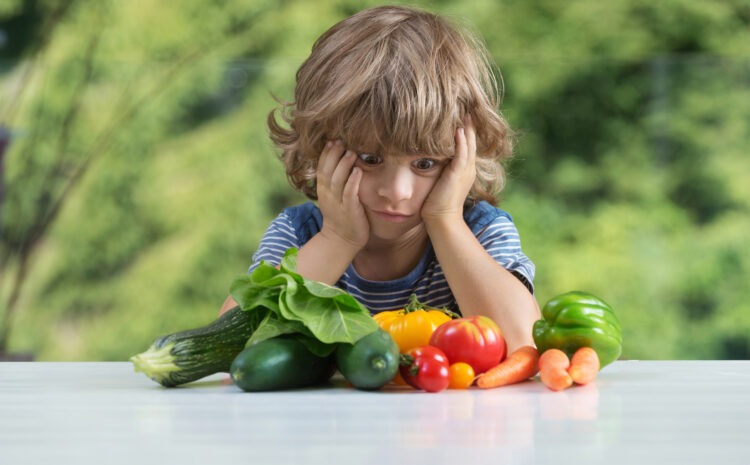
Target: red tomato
427	370
475	340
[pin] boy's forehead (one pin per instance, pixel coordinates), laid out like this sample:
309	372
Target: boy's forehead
395	153
393	149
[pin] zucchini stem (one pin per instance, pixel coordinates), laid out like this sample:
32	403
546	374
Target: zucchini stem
156	363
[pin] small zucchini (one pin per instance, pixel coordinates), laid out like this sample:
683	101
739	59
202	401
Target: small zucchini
371	362
278	363
189	355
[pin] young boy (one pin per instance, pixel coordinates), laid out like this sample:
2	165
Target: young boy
395	132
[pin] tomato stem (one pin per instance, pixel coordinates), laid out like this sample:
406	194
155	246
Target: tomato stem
414	305
405	360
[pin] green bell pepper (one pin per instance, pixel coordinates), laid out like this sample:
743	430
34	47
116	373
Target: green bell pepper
578	319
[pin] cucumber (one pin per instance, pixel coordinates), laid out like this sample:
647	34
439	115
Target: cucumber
279	363
187	356
371	362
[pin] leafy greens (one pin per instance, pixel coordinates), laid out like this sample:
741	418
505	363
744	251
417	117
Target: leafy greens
319	315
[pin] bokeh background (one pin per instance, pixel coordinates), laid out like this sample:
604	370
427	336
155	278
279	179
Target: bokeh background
137	176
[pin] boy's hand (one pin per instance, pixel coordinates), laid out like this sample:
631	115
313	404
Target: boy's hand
446	200
338	181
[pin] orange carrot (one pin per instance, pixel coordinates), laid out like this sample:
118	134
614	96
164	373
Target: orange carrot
584	365
519	366
553	368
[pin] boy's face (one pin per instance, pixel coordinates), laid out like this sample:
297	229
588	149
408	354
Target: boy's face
394	188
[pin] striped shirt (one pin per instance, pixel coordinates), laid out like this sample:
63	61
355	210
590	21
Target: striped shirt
493	228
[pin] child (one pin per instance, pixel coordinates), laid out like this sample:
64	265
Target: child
395	132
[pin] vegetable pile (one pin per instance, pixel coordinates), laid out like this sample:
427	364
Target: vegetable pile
289	332
439	352
578	335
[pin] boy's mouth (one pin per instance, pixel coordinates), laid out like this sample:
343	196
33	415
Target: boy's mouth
394	217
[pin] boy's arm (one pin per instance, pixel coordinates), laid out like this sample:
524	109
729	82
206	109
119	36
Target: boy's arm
345	230
324	260
481	285
228	304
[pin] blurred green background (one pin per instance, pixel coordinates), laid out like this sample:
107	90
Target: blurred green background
139	176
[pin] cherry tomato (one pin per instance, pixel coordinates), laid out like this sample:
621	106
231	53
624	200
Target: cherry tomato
426	368
475	340
461	376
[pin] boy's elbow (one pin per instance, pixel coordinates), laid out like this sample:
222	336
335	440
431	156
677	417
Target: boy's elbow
228	304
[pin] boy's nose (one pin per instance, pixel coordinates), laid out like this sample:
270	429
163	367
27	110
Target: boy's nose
397	184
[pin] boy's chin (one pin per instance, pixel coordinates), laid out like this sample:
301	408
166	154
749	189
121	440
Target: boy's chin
390	232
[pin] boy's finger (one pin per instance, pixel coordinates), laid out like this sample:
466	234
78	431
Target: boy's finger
329	158
351	189
342	171
461	146
471	137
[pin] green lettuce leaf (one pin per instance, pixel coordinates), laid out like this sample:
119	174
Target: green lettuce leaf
319	314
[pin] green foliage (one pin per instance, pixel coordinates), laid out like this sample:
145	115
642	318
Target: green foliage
140	176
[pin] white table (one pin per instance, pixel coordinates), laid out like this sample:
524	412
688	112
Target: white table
636	413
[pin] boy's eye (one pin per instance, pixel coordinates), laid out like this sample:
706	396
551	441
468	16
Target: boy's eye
369	159
425	164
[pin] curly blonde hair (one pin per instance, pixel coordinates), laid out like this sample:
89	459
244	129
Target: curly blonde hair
394	80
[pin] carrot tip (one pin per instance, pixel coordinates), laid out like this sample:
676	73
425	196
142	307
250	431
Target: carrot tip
553	367
584	365
556	381
518	367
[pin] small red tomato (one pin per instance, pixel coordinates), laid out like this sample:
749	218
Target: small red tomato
475	340
425	368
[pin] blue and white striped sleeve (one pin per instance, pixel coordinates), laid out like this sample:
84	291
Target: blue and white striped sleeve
501	240
279	237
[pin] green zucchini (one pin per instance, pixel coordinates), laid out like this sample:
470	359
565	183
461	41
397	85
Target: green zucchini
369	363
278	363
189	355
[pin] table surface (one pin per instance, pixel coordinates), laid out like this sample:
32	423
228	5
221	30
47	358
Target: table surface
636	412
